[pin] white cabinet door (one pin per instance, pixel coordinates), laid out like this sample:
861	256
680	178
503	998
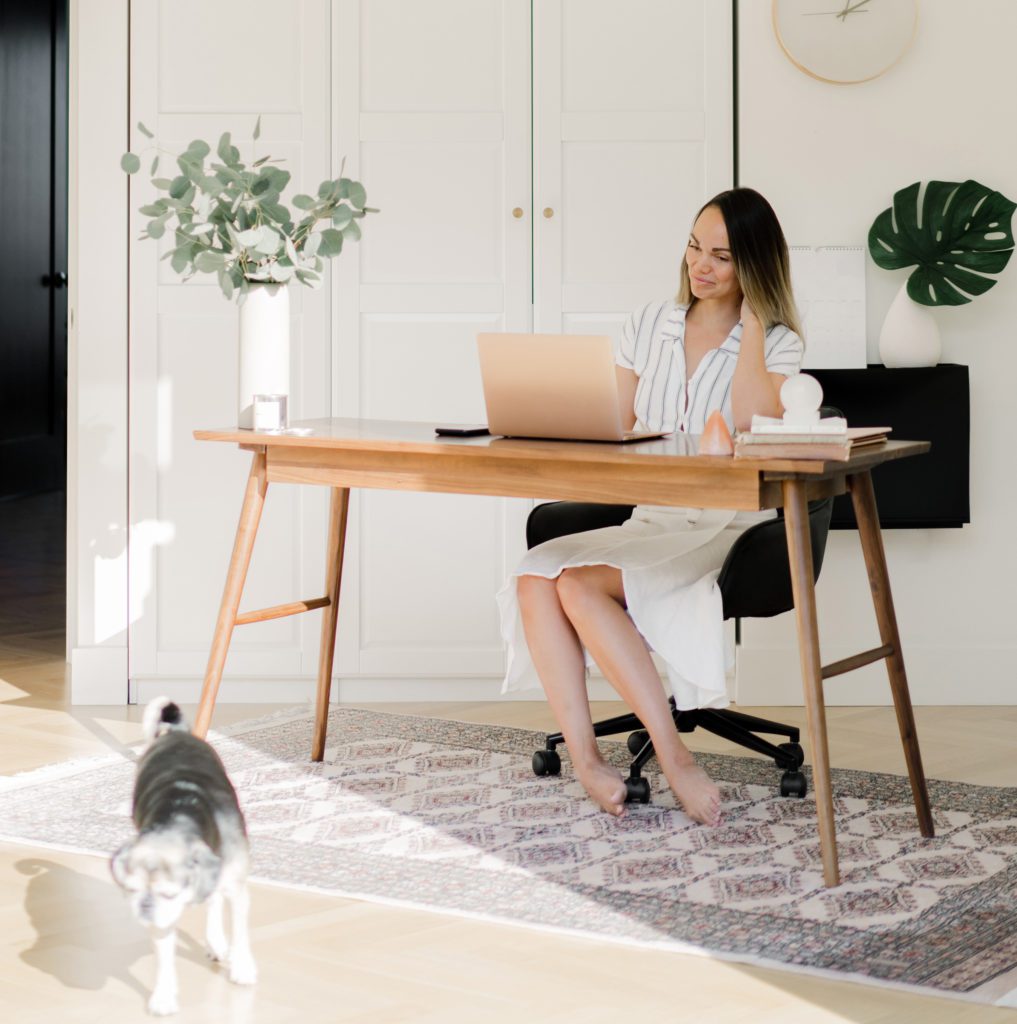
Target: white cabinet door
433	114
429	104
185	496
632	133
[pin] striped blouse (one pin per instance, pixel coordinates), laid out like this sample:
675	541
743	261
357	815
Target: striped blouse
653	345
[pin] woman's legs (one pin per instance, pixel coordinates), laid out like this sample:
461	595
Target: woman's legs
592	599
558	657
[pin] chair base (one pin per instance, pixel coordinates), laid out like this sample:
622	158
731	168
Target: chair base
732	725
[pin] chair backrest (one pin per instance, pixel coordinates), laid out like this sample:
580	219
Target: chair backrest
760	554
755	580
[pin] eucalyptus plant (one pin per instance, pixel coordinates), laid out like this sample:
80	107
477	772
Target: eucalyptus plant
228	219
958	233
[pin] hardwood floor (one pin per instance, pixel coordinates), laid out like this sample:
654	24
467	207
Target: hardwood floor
75	955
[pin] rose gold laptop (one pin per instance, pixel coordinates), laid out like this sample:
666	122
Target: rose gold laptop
560	386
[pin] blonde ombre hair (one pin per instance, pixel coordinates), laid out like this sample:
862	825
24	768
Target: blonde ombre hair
760	257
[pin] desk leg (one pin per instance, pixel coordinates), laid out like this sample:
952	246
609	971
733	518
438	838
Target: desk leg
799	546
864	499
243	545
338	512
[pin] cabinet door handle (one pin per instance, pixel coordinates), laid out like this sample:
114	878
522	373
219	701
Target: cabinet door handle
548	212
517	212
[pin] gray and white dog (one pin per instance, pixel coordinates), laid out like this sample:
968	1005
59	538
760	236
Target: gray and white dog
191	847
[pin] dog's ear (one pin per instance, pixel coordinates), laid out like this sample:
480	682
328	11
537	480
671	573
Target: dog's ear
203	870
118	864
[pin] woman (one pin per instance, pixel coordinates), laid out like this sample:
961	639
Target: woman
728	341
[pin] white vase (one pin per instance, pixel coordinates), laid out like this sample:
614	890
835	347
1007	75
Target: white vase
264	347
910	334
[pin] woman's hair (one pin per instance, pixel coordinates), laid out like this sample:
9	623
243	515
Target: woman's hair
759	254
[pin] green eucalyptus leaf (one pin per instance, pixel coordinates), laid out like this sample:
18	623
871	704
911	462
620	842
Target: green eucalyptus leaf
263	160
311	245
279	178
154	167
352	231
269	241
291	251
281	273
302	202
257	129
271	209
357	194
179	186
327	189
191	169
249	238
226	152
162	183
130	163
341	216
208	261
144	131
199	149
156	228
153	210
226	283
957	233
180	259
331	243
309	277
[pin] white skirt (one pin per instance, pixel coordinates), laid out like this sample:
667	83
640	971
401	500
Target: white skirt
670	559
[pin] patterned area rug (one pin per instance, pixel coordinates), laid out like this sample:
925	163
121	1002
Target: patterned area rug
449	816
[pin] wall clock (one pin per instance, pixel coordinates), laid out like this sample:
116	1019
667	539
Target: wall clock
845	41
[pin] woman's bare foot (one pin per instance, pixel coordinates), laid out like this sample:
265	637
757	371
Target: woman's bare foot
696	792
604	785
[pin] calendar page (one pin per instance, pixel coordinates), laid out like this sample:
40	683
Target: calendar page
829	287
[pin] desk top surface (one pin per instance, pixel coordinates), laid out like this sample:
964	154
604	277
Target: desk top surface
674	450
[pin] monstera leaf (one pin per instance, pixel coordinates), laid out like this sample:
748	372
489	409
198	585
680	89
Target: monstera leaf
958	234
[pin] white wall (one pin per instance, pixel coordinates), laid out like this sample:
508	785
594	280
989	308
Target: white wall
97	354
829	158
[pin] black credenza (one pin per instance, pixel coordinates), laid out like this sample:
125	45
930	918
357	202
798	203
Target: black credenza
929	403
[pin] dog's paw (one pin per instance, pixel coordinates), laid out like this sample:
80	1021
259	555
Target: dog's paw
243	970
162	1004
216	951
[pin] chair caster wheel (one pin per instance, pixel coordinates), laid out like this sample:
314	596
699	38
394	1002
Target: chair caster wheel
546	762
636	741
793	784
637	791
795	755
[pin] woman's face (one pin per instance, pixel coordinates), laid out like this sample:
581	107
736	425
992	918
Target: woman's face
711	272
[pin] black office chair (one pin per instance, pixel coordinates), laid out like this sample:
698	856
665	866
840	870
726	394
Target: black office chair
755	581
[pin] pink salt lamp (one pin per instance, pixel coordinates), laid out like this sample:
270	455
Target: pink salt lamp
716	439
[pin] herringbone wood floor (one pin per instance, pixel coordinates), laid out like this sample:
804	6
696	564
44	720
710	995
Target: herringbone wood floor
73	954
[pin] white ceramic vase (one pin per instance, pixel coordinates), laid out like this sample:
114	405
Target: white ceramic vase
264	347
910	334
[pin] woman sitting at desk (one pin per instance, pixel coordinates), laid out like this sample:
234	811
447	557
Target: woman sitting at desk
727	342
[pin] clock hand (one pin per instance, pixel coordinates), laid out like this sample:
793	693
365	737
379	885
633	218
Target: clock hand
851	9
837	14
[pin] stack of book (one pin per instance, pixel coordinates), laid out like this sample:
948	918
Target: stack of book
830	440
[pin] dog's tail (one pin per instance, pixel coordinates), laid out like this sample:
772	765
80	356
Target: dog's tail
161	715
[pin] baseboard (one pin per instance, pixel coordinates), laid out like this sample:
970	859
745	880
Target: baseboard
99	676
936	676
347	690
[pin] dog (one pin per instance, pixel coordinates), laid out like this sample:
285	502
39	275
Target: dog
191	847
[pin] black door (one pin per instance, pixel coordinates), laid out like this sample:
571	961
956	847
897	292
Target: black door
33	253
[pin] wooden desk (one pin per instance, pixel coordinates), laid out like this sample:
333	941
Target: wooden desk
346	453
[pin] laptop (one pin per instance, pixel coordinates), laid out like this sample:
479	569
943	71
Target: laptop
560	386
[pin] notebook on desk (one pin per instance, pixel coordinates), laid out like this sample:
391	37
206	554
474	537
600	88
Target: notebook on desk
560	386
